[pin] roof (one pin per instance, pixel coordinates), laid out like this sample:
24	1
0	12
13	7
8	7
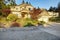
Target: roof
44	13
22	5
25	5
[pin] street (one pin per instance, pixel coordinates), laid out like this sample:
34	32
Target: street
52	32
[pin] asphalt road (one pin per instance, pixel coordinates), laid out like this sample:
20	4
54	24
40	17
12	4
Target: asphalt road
50	32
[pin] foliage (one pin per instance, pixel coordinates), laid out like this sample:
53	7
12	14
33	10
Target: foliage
34	22
34	13
27	22
31	21
55	9
28	25
56	19
15	24
59	5
3	20
21	21
42	22
52	9
12	2
12	17
3	6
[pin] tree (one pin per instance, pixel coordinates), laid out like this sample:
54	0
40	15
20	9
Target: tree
51	8
34	13
1	6
10	2
27	3
58	8
59	5
23	2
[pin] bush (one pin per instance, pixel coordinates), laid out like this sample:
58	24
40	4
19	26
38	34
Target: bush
3	20
56	19
42	22
12	17
34	22
31	22
21	21
15	24
27	22
28	25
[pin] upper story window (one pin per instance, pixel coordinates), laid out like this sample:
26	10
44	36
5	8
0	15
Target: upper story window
22	7
30	8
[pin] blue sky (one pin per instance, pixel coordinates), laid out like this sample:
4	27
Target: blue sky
41	3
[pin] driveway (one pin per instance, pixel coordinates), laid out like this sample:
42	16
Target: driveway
53	28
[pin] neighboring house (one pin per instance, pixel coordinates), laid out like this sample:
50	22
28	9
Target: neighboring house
53	14
44	16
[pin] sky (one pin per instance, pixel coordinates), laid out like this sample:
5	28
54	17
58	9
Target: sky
41	3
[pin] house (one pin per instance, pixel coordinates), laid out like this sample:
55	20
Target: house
21	10
26	10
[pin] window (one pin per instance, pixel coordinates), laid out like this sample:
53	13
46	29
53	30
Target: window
0	7
29	8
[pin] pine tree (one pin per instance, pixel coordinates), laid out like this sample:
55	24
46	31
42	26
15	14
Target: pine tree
23	2
27	3
2	6
12	2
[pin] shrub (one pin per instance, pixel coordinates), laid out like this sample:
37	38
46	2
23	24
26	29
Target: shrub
21	21
42	22
28	25
15	24
12	17
56	19
34	22
3	20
